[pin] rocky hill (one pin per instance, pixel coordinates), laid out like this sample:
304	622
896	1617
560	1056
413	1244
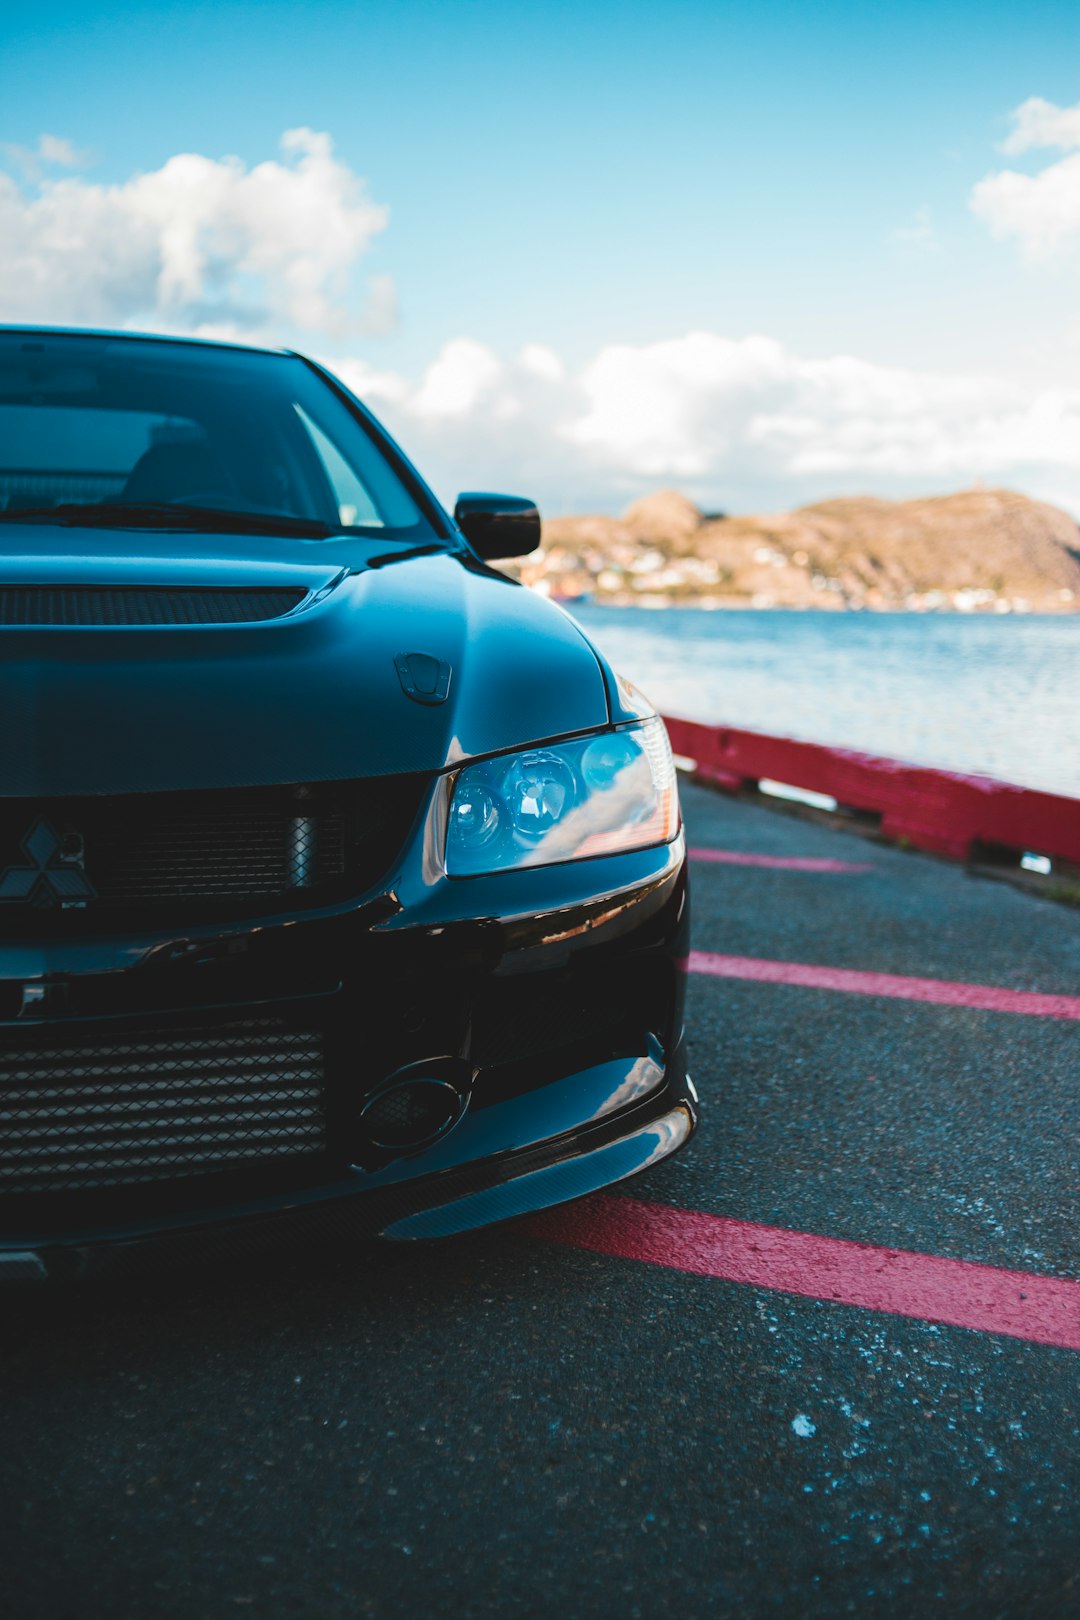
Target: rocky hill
980	550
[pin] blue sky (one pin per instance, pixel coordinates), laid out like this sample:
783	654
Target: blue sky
600	182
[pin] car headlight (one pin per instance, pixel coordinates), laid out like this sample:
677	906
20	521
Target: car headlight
593	796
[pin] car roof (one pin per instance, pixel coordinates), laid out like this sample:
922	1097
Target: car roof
140	337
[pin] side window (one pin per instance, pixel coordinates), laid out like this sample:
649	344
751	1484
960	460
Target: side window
354	503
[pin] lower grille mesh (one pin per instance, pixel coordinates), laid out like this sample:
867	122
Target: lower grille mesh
159	1107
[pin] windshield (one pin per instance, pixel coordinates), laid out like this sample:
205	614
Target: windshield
144	433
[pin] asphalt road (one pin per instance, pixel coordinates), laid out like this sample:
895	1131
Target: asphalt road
509	1426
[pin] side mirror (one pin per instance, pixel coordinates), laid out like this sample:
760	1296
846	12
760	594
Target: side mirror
498	525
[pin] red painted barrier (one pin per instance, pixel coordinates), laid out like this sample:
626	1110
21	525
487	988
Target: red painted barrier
940	811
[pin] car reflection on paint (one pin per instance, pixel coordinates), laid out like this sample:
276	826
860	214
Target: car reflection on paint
337	870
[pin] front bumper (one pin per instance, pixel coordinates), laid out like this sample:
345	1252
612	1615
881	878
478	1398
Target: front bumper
552	998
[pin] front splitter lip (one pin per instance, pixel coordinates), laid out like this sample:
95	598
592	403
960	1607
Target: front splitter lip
429	1207
556	1183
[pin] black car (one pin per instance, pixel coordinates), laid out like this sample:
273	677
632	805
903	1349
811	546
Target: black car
334	864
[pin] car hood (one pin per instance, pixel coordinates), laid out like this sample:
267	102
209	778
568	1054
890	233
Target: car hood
315	695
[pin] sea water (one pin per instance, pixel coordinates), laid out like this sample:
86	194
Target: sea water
999	696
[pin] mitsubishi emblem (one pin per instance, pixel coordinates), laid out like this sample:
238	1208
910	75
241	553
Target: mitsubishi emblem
53	873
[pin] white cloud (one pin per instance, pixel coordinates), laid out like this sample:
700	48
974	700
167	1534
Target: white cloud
56	150
1041	211
376	388
739	423
51	152
199	242
1039	123
672	408
454	384
542	362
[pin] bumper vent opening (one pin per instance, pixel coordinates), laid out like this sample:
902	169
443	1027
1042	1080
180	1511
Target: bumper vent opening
76	606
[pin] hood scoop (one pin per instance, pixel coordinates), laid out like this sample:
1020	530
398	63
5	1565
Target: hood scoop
77	606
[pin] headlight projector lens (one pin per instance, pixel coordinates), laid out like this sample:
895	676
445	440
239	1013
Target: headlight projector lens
539	790
604	758
475	821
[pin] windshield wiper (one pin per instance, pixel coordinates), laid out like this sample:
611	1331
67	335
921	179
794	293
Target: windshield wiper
405	552
169	515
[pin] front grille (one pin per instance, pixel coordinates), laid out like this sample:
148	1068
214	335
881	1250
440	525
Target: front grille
216	847
81	605
159	1107
196	852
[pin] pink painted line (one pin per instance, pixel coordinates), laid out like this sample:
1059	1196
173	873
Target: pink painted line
990	998
783	863
927	1287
